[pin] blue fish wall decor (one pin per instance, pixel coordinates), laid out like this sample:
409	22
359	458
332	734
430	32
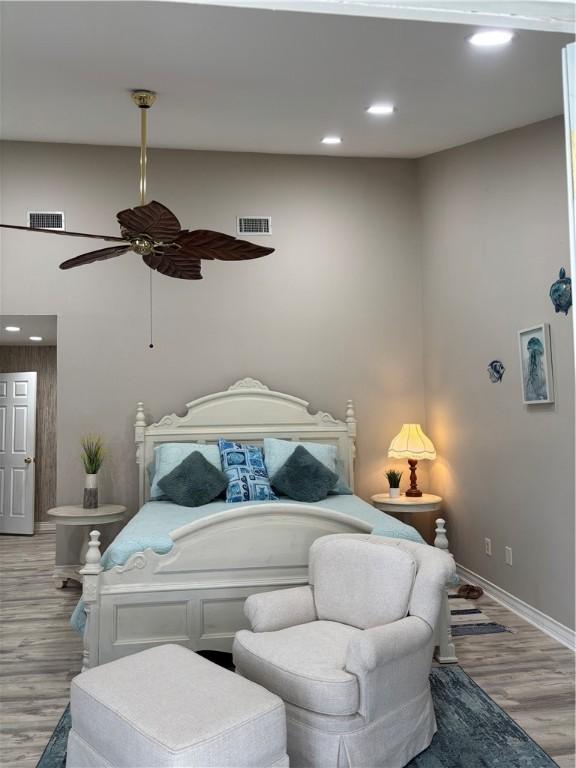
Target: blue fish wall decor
496	371
561	293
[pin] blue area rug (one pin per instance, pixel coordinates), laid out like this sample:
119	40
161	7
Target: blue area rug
473	732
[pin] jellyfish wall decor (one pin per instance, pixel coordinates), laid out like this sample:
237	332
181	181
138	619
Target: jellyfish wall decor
536	365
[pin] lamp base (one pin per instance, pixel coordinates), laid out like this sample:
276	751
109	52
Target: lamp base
413	491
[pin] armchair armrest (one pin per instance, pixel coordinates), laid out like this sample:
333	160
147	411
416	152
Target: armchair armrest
392	664
380	645
269	611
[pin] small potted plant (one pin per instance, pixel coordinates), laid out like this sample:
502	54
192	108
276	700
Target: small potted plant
92	457
394	478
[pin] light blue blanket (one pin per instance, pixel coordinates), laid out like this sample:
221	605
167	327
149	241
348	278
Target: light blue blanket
150	529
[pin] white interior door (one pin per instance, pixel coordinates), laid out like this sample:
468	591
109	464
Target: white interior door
17	451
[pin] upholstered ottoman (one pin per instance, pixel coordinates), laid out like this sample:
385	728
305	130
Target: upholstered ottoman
167	706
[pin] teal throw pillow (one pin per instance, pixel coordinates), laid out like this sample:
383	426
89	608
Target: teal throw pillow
195	481
167	456
303	477
277	452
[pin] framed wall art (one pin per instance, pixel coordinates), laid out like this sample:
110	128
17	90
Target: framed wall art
536	365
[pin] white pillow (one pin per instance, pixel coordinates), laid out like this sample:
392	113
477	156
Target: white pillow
167	456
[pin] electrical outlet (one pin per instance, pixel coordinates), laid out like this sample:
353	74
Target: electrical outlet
488	547
508	555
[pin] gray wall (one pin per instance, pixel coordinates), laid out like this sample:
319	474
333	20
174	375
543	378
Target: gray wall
16	359
334	313
494	235
371	254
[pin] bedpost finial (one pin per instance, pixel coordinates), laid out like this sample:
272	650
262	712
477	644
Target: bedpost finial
140	417
93	554
351	418
350	413
441	540
92	565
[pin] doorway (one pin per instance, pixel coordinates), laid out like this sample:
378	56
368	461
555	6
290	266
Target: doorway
27	346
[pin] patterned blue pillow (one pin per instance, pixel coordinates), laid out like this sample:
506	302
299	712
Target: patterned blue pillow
247	474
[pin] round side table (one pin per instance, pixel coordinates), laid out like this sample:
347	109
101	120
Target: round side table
405	506
69	559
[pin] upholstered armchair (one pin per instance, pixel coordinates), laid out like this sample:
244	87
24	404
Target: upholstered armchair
350	654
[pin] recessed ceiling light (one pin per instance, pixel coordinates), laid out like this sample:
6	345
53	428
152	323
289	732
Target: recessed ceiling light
12	328
381	109
35	338
331	140
491	37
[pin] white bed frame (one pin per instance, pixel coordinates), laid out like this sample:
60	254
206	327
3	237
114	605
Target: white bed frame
194	594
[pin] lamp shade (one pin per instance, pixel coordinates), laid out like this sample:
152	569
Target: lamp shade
411	443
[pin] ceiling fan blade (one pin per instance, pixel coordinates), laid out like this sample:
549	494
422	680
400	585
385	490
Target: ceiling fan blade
206	244
101	255
108	238
182	267
153	219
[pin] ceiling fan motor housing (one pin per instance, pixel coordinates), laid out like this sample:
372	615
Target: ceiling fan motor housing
142	246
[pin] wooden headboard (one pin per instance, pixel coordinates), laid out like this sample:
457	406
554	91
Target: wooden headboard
247	411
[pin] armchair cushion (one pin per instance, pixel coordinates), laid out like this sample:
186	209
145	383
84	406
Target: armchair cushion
360	580
304	665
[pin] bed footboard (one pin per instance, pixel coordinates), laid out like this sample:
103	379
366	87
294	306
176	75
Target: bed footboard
188	596
194	595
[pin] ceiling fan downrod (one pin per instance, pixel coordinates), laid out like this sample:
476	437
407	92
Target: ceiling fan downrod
143	100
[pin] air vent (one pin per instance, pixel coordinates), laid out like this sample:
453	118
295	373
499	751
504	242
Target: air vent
46	219
254	225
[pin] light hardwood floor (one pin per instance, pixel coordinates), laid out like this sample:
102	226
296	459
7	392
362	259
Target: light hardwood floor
526	673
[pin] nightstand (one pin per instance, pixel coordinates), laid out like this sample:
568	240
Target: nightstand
69	563
408	508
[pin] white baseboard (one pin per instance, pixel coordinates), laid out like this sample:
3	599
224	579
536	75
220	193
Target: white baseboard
542	621
44	526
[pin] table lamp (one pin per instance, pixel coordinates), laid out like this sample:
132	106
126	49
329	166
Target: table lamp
412	444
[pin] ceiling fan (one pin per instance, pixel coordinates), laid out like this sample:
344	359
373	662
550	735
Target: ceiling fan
153	231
